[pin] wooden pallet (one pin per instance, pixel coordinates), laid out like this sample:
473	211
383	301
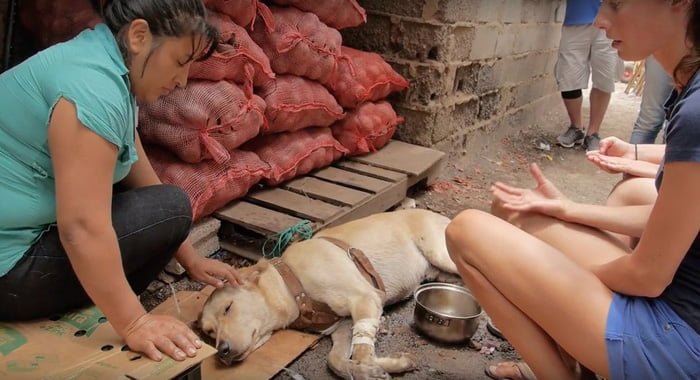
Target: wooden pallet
350	189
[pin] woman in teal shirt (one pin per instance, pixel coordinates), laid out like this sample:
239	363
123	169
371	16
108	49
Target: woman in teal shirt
67	136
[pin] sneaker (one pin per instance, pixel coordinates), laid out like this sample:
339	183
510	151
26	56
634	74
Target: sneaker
592	142
571	137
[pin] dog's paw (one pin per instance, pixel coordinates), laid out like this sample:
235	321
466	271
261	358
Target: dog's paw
398	362
367	371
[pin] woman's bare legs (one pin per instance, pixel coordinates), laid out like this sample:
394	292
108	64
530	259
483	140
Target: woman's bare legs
586	246
538	296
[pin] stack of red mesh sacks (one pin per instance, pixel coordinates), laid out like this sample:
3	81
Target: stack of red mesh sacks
326	100
193	135
322	100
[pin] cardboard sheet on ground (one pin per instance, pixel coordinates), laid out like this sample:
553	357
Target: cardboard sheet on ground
264	363
79	345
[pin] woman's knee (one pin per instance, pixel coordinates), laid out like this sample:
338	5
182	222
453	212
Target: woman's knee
462	231
152	219
175	200
632	191
178	214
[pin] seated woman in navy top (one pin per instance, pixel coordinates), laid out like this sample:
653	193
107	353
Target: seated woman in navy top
67	135
562	292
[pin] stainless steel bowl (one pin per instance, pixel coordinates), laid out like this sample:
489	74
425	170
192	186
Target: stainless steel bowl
446	312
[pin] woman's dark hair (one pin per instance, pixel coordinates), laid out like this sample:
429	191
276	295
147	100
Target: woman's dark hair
691	62
165	18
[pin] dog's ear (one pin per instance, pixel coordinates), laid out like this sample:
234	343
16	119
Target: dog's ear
251	274
252	277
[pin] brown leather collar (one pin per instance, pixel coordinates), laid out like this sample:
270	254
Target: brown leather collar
318	316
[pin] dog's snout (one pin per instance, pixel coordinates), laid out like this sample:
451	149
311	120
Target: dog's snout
224	349
228	356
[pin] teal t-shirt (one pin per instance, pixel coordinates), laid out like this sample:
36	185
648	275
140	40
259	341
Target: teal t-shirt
88	71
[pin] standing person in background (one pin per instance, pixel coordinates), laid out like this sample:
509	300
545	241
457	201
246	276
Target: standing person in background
67	136
657	87
584	52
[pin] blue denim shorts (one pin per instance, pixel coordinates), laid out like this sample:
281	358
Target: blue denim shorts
646	339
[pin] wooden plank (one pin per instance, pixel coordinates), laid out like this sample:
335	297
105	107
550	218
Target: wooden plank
432	174
406	158
283	347
256	218
378	203
296	204
355	180
326	191
372	171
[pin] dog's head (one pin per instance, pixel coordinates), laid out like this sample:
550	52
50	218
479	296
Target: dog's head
240	319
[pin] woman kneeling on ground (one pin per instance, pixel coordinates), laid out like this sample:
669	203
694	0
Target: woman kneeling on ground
67	135
566	293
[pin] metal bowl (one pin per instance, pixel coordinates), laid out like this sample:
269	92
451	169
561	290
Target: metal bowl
446	312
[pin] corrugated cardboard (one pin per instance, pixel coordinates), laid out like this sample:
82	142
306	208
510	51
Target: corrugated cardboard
80	345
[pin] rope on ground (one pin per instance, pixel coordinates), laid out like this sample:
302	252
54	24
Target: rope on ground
300	231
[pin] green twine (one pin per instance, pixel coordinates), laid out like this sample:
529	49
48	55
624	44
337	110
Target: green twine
302	230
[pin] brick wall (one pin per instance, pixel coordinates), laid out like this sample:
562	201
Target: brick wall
477	67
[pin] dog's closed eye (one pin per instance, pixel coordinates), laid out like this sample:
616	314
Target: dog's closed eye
226	310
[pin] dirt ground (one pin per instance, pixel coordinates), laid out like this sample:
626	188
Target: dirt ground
465	184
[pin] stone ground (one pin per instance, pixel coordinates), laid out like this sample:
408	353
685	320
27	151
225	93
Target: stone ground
465	184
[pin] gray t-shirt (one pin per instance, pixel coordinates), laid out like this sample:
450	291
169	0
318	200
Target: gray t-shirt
683	144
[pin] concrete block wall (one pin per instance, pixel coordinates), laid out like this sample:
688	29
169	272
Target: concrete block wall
474	65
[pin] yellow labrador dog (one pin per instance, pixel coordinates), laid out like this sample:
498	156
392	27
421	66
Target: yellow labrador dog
404	248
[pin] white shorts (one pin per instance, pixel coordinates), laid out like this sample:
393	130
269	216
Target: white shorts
584	50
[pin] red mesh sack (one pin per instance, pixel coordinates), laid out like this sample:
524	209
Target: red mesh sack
337	14
294	103
367	128
300	45
292	154
367	78
243	12
237	58
204	120
209	185
54	21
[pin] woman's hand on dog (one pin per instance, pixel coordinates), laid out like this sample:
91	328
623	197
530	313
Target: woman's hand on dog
212	272
545	198
155	335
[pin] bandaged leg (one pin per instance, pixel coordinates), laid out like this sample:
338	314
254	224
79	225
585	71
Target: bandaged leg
365	312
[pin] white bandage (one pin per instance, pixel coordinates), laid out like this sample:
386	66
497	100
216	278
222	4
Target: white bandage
364	331
362	340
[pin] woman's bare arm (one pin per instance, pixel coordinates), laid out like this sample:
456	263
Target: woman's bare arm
672	227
